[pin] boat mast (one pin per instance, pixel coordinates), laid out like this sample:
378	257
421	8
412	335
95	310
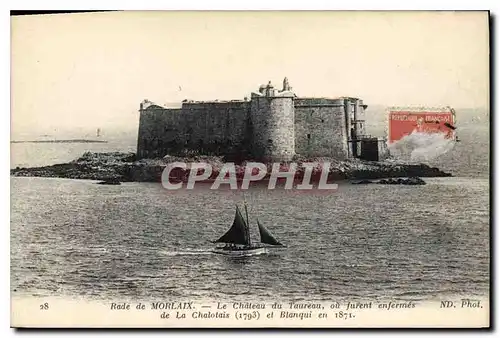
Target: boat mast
248	223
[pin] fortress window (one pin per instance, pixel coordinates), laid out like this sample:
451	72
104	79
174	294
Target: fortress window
308	136
322	121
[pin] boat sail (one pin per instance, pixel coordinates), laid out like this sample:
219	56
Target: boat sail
238	233
266	237
238	241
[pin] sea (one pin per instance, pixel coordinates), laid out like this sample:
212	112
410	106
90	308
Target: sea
77	239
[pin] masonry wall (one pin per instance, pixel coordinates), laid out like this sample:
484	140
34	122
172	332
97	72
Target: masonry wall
273	127
265	127
160	132
218	128
320	128
361	116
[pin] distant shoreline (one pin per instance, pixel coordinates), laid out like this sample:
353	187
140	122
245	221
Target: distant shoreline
61	141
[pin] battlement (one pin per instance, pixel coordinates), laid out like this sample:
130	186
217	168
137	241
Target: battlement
215	104
314	101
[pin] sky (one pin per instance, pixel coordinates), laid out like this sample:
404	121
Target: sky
92	70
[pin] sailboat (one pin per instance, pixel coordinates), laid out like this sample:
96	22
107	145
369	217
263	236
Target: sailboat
237	238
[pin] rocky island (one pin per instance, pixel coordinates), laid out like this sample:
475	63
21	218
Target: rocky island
124	167
273	125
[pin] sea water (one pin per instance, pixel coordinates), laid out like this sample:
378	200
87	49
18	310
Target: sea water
73	238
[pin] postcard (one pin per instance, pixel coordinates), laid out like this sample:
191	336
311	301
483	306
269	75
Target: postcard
250	169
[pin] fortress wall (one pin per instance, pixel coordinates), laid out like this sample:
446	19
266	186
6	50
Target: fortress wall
361	115
217	128
267	127
320	128
159	132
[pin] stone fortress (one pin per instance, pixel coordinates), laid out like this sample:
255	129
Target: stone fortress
274	125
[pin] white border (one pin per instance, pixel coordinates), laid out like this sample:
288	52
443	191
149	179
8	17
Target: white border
189	5
252	5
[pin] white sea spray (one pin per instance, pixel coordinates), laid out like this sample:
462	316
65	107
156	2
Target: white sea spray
418	147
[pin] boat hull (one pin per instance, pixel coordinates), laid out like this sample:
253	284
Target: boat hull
240	252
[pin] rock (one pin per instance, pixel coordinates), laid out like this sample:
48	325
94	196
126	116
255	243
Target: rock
110	182
403	181
106	157
363	182
123	167
415	181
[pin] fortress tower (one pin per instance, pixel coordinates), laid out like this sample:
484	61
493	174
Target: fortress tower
272	115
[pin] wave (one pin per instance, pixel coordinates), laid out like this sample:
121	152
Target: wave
187	252
421	146
62	141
